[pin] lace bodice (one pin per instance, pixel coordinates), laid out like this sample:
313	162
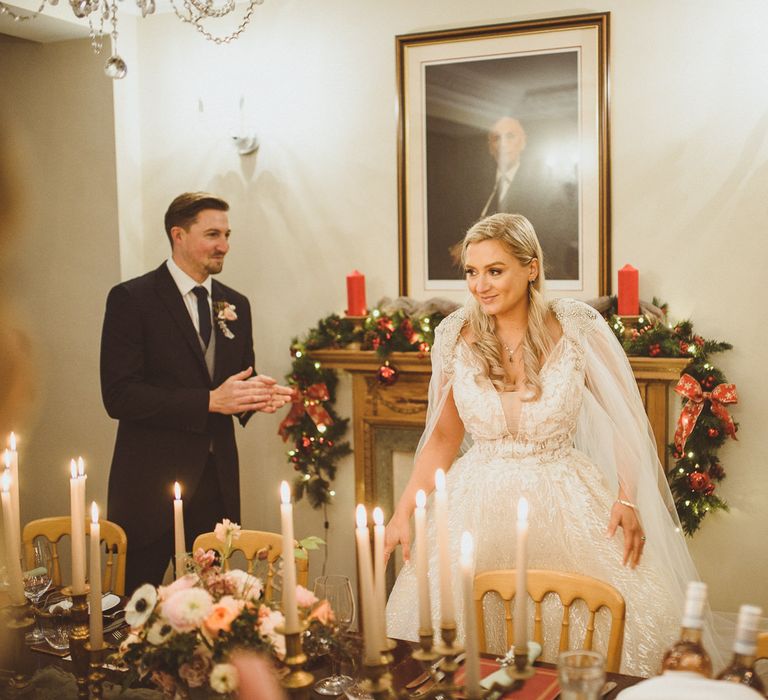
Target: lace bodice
542	425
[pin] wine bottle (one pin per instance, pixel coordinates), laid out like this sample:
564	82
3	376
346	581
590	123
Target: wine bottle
688	653
741	669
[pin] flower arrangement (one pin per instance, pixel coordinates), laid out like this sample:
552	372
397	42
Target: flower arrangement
182	635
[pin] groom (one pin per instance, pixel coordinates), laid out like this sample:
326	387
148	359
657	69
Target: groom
176	365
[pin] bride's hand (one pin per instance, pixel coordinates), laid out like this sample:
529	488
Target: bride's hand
398	531
634	537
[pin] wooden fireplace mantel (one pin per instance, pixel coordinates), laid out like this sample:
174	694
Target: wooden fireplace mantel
404	404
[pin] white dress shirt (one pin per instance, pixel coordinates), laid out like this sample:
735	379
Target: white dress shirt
186	284
504	179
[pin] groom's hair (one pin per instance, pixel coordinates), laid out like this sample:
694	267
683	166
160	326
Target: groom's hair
184	209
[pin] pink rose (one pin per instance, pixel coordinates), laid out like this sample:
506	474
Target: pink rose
165	682
180	584
187	609
229	313
195	671
305	598
205	560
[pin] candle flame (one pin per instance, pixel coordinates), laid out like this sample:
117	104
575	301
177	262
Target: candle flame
73	468
361	516
285	493
177	490
467	547
7	458
94	512
440	480
12	441
421	498
522	510
80	466
6	481
378	516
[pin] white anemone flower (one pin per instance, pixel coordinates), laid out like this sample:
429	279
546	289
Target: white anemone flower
159	632
224	678
141	605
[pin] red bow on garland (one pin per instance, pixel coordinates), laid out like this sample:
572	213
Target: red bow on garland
308	401
690	389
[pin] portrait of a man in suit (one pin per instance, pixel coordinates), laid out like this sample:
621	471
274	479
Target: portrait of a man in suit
176	367
502	136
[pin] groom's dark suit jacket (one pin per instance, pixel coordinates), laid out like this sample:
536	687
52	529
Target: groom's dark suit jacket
154	381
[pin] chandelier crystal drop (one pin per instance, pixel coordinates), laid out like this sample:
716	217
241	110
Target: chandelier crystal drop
100	12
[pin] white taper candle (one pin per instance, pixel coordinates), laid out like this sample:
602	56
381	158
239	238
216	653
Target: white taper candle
96	624
521	592
422	563
289	561
447	615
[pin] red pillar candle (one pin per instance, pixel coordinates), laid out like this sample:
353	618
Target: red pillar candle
356	294
629	299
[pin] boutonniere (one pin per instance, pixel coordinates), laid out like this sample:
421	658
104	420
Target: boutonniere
225	312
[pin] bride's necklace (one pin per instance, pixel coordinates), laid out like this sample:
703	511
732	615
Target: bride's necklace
511	351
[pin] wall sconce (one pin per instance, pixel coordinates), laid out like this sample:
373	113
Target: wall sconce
246	144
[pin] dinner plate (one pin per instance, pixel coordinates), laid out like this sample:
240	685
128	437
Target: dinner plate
108	601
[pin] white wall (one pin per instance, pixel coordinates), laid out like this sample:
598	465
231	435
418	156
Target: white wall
63	260
688	118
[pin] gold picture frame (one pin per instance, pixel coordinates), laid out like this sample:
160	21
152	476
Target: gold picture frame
464	95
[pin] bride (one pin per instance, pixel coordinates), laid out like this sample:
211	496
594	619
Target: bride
552	412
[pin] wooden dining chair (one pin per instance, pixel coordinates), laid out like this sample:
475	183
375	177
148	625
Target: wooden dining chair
568	587
762	646
255	545
113	538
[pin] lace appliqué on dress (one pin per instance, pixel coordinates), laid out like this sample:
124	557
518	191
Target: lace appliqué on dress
446	337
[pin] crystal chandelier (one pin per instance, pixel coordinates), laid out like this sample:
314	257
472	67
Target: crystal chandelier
101	16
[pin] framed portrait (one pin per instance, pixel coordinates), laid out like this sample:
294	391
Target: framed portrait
505	118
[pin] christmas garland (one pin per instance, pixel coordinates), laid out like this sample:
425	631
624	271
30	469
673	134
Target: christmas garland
316	431
697	470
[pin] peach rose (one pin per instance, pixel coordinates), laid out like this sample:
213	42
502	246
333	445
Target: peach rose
222	614
323	613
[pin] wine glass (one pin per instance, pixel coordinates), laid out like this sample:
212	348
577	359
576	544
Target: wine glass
37	580
337	590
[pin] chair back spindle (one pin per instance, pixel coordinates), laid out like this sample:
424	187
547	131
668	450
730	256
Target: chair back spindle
569	588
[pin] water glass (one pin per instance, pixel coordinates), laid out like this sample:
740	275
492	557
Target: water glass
56	627
581	675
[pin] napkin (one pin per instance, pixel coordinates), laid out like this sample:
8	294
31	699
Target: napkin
501	676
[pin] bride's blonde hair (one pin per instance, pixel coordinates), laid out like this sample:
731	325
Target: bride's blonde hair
517	236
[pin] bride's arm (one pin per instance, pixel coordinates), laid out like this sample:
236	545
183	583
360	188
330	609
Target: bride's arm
438	453
625	437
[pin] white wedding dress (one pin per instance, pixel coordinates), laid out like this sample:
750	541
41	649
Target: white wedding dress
530	449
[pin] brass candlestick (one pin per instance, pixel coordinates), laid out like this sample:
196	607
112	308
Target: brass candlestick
298	681
629	324
449	650
378	680
96	673
387	652
425	654
78	637
522	669
20	619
